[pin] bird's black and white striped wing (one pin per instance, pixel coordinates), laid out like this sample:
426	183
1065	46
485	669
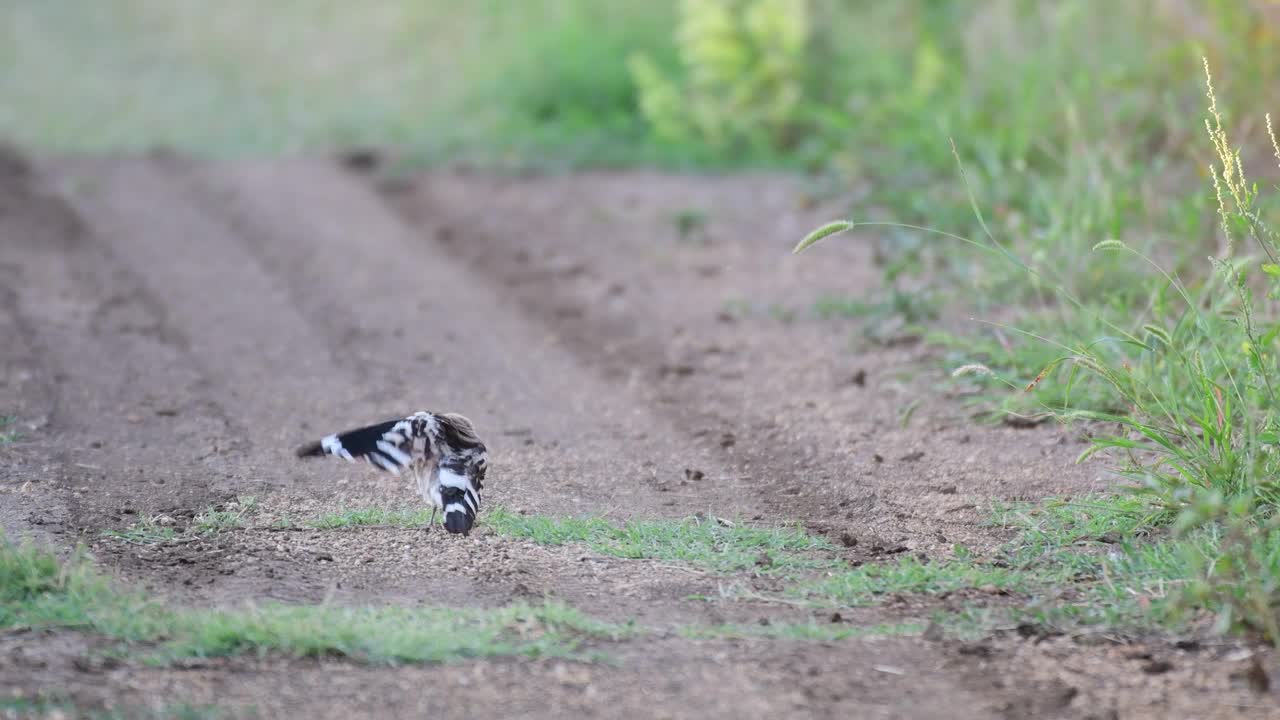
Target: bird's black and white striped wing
387	445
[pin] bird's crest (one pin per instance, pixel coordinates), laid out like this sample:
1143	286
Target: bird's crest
457	430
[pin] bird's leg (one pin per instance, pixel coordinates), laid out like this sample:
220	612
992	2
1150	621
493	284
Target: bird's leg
433	516
417	485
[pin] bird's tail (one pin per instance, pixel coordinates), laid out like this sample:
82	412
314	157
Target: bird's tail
458	516
459	510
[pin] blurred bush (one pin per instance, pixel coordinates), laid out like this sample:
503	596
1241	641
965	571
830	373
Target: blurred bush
742	75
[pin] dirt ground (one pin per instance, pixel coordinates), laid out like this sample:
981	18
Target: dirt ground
172	329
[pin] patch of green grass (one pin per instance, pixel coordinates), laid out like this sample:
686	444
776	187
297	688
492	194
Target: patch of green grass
1076	565
1055	524
366	517
389	635
1087	563
1129	576
712	544
691	224
230	517
869	584
831	307
1013	357
284	522
8	435
147	531
38	590
810	631
156	530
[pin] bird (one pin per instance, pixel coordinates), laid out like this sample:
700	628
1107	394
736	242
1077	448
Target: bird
441	450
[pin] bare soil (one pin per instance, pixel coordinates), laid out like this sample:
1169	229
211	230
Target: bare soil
172	329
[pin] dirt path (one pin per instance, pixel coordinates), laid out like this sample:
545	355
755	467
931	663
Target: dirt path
714	333
178	327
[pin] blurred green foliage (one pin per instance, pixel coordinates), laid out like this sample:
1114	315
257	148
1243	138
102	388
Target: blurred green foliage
875	90
743	65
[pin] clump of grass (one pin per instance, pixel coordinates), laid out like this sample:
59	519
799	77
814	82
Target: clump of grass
1054	524
370	517
39	590
711	544
1130	577
159	529
149	530
232	516
1097	542
1234	554
1086	564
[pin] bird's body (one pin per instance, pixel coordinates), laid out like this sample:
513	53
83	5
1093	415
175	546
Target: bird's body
441	450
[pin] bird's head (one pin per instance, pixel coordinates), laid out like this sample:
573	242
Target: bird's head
457	431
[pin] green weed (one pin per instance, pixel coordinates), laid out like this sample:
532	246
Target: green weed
712	544
38	590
